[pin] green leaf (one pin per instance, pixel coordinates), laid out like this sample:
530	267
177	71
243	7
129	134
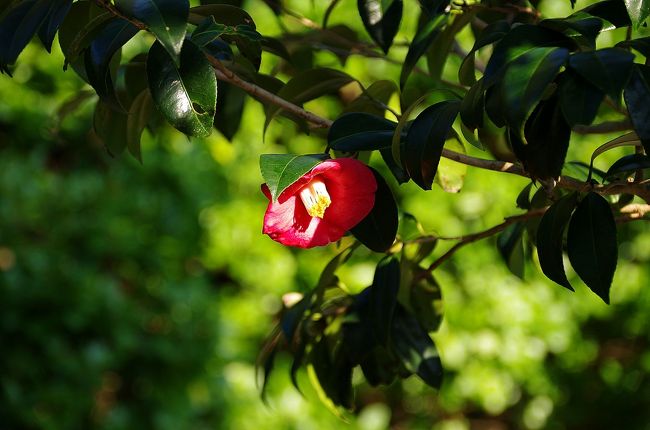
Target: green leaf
494	32
18	27
377	231
613	11
550	236
518	42
426	300
547	140
591	243
357	131
383	297
525	81
511	247
83	23
138	118
97	58
639	10
333	375
473	105
441	47
307	86
415	348
378	367
282	170
382	25
608	69
637	95
222	13
451	175
166	19
230	108
628	164
327	277
57	13
583	27
641	44
185	95
420	44
111	128
425	140
579	99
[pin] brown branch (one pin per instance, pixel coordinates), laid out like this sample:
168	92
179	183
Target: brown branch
108	6
641	189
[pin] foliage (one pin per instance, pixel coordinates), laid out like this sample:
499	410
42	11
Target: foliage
542	82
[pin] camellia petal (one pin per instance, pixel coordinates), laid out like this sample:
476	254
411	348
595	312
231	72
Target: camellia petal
339	193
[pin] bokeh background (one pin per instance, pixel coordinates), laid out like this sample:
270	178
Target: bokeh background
137	296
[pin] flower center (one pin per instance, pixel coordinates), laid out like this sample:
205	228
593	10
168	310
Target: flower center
315	198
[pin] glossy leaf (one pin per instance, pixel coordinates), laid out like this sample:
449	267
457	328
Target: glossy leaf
57	13
18	27
550	238
185	95
382	25
307	86
613	11
100	53
281	170
425	140
378	230
415	348
166	19
591	243
639	10
579	99
472	106
608	69
421	42
525	81
583	27
383	297
358	131
637	97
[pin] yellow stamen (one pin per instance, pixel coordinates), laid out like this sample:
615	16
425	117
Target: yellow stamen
315	198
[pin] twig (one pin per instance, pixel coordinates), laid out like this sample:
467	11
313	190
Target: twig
106	4
603	127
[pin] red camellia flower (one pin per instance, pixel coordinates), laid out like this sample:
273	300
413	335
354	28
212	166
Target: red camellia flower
322	205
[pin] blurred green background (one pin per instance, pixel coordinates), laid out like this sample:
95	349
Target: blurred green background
138	295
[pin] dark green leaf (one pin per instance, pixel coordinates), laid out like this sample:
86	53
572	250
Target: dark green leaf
523	199
612	11
525	81
377	231
185	95
359	131
433	7
383	297
425	141
628	164
18	27
58	11
550	236
138	118
415	348
222	13
166	19
591	243
547	135
426	300
472	106
490	34
378	367
111	128
230	108
334	373
519	41
381	25
282	170
98	57
608	69
581	26
80	27
641	44
579	100
420	44
637	99
511	247
307	86
639	10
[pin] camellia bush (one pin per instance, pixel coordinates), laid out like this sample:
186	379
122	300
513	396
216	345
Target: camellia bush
497	77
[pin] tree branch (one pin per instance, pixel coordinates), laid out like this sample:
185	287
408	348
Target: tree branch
604	127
